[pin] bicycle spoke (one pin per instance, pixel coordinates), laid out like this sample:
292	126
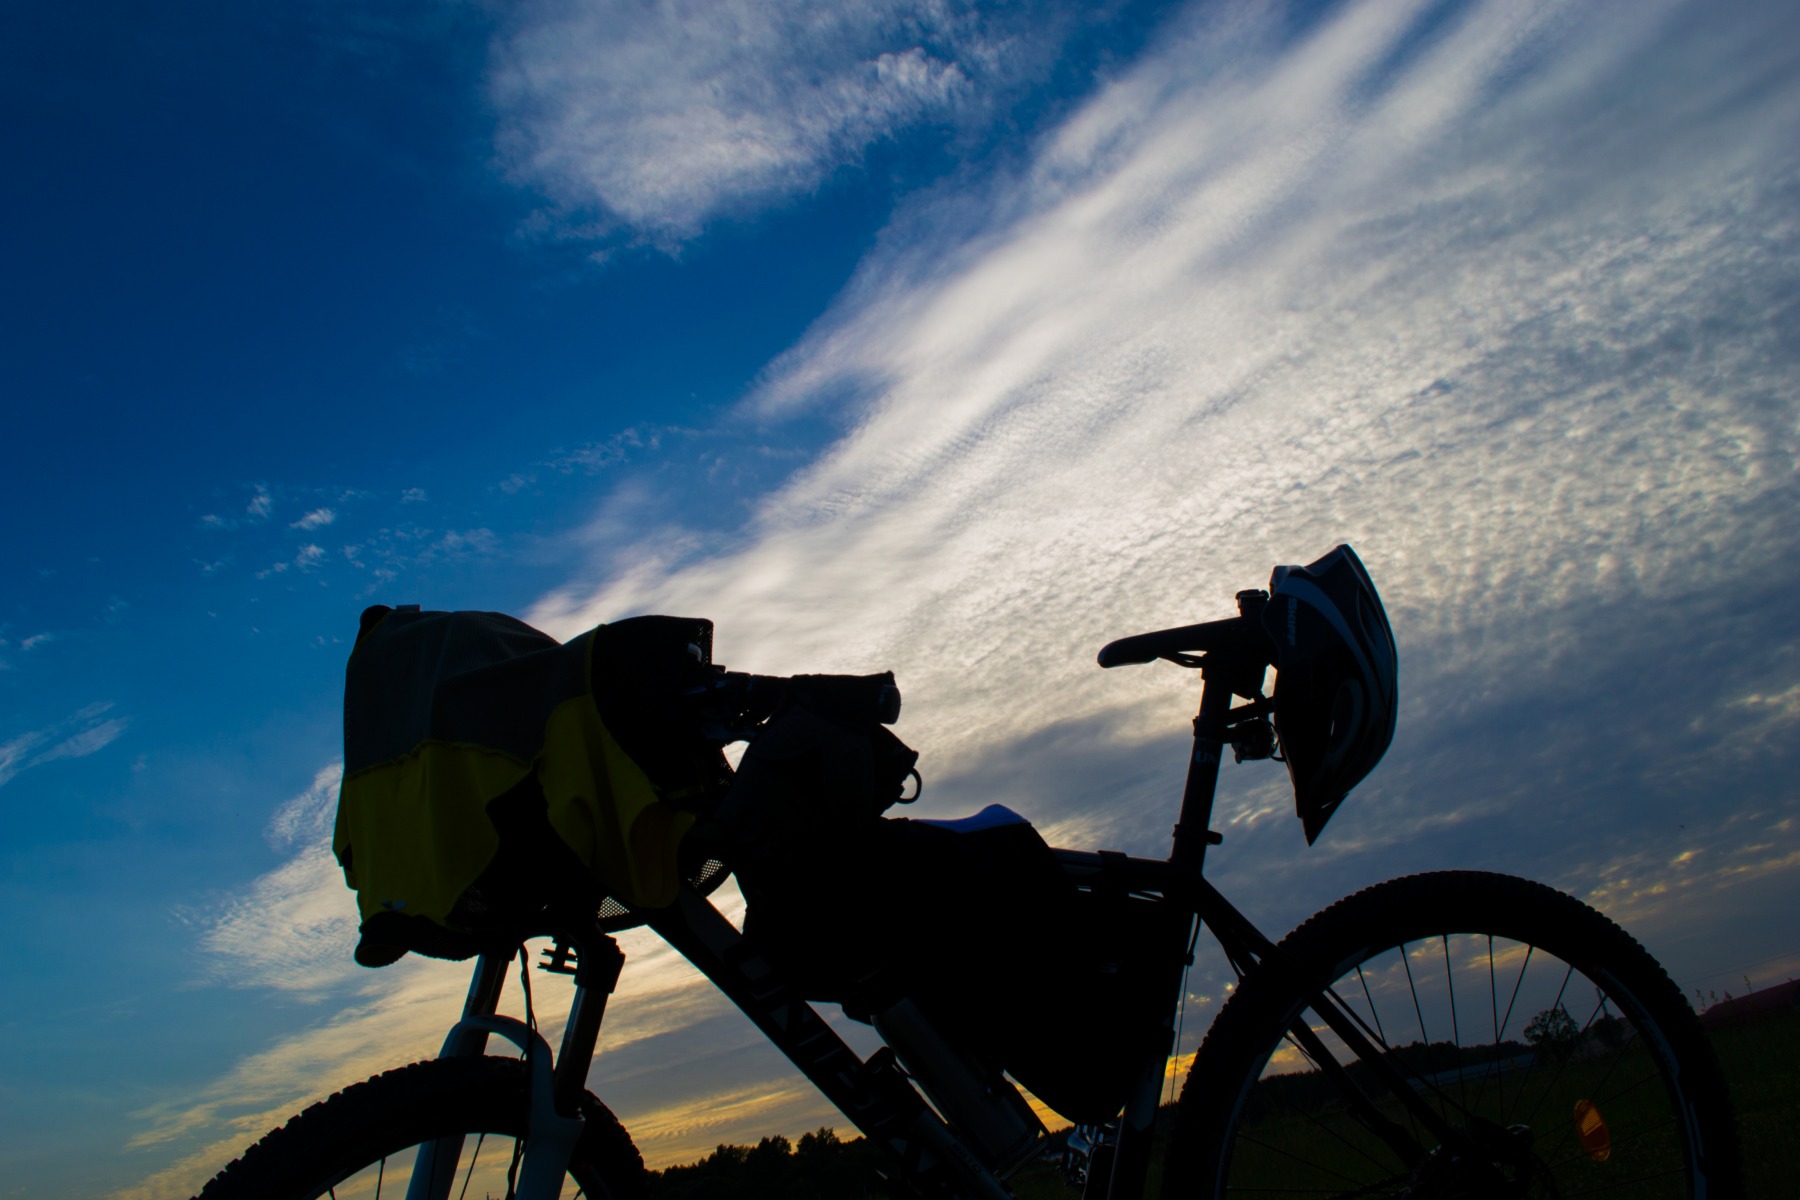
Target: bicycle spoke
1535	1088
1381	1037
1518	983
1462	1087
465	1115
1495	1072
1524	1089
470	1173
1618	1143
1547	1101
1421	1083
1313	1118
1599	1088
1413	988
1290	1157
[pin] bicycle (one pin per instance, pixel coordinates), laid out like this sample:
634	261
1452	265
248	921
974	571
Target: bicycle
1438	1035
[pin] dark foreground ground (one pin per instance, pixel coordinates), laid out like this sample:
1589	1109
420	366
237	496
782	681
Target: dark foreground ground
1761	1059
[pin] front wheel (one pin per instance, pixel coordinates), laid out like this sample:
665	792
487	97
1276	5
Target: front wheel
1515	1043
363	1141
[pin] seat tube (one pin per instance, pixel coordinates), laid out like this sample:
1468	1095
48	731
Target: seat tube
1192	830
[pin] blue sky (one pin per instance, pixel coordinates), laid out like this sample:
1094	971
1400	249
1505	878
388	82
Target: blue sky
949	339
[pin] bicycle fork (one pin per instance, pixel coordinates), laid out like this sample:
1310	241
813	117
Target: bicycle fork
553	1122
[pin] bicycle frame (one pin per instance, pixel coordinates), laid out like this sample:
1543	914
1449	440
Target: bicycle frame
875	1093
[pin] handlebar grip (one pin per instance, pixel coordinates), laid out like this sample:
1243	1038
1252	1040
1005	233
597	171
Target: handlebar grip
854	698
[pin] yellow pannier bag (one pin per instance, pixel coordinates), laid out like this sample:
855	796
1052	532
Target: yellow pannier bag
493	774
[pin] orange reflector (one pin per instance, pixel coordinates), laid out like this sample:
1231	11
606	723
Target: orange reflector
1592	1128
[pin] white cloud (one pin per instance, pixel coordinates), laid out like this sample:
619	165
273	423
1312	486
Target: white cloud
315	519
372	1031
463	543
1490	300
306	558
260	504
294	928
87	732
308	816
662	116
15	754
292	931
1497	314
589	459
85	742
1510	304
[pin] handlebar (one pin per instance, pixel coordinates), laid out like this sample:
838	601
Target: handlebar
733	704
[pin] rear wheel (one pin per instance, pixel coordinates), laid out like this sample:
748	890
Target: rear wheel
363	1141
1524	1046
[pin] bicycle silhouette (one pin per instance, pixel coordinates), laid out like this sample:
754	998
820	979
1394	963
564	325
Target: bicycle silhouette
1453	1034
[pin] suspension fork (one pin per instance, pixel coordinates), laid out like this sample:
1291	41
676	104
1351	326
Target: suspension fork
555	1086
483	1000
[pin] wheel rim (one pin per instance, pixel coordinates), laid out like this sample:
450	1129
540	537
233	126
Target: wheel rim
1549	1080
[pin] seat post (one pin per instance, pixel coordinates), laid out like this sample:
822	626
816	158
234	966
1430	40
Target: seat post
1234	664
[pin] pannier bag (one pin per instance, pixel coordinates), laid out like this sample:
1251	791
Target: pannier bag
492	773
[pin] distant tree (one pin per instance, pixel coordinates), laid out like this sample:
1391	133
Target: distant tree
821	1167
1611	1032
1553	1033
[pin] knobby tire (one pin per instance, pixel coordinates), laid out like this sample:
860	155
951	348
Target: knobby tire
368	1132
1443	973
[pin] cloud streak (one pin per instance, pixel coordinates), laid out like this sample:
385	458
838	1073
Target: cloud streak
664	117
1487	294
315	519
87	732
292	932
1503	293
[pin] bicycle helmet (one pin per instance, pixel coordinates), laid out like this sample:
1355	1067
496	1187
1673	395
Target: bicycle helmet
1335	681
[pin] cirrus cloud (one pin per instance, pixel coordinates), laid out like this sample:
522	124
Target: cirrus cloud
662	117
88	731
1504	293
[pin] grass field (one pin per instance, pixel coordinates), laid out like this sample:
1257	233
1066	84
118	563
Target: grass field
1761	1061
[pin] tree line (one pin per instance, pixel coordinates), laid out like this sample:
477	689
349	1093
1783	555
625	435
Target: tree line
821	1166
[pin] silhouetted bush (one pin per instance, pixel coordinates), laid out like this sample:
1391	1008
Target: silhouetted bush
820	1167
